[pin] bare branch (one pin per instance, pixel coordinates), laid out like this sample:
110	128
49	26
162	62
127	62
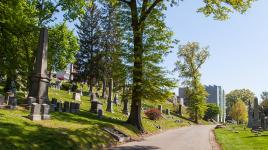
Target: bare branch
148	11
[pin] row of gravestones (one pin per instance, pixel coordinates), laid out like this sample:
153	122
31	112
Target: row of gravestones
96	106
41	111
8	101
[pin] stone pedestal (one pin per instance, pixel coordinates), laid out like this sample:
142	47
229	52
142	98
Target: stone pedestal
45	112
35	113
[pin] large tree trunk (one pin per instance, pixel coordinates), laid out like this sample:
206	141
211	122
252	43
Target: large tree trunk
103	88
135	112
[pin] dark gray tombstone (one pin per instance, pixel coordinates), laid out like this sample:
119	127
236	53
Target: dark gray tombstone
45	112
104	95
39	78
116	101
250	116
256	118
180	110
31	100
109	101
77	107
35	113
125	108
167	112
66	107
95	107
54	101
72	107
2	100
59	106
12	102
160	108
100	113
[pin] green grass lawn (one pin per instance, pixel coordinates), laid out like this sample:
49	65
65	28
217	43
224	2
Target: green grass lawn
72	131
238	138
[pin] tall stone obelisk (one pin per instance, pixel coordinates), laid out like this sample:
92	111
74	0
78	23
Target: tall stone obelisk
39	78
256	118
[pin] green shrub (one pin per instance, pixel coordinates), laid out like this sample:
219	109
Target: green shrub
66	86
153	114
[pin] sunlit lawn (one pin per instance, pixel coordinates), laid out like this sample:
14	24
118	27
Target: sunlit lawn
238	138
71	131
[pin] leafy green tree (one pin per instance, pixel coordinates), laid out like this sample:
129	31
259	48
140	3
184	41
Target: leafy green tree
239	94
191	57
264	95
212	111
62	47
139	12
239	111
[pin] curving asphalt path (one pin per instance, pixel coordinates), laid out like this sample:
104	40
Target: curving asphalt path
199	137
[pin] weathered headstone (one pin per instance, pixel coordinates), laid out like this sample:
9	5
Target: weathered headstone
116	99
160	108
76	96
109	101
72	107
256	116
12	102
2	100
59	106
250	115
95	107
167	112
125	108
31	100
104	95
39	78
8	94
66	107
35	113
45	112
100	113
77	107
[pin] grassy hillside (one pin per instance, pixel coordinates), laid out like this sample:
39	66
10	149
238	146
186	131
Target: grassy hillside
72	131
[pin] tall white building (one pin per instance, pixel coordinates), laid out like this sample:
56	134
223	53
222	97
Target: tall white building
216	95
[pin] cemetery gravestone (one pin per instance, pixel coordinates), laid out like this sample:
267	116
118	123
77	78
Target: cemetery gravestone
256	118
167	112
35	111
45	112
160	108
39	78
109	101
116	99
12	103
66	107
31	100
2	100
76	96
59	106
125	108
100	113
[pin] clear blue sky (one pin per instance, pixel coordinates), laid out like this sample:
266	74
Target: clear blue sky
238	50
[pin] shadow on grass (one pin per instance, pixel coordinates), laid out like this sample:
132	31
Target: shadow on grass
31	136
84	117
254	136
135	147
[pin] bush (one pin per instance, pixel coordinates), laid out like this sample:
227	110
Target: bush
66	86
153	114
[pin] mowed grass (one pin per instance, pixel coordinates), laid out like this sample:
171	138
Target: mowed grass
238	138
83	130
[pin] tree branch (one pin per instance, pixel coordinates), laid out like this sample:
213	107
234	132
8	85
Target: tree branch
148	11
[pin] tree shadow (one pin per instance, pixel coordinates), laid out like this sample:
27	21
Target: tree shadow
135	147
32	136
85	117
254	136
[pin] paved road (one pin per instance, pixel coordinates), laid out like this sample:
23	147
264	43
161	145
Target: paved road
186	138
